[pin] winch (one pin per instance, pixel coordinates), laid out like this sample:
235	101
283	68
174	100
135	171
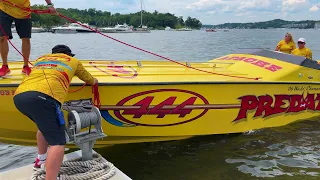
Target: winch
82	117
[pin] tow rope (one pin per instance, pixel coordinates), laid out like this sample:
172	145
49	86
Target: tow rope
97	31
95	88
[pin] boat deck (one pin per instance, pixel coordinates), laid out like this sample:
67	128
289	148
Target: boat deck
25	172
143	72
268	66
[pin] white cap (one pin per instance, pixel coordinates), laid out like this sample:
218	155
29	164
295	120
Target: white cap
302	40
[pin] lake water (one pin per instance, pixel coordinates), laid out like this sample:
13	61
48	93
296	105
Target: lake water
290	152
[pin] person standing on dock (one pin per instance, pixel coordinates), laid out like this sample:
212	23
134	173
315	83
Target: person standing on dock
40	96
16	10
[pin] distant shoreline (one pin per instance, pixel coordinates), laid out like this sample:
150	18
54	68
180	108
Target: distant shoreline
273	24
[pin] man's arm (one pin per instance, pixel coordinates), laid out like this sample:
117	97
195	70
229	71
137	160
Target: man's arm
84	75
48	2
51	8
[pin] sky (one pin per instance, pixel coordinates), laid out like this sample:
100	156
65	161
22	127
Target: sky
207	11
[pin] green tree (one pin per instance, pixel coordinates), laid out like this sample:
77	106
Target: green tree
103	18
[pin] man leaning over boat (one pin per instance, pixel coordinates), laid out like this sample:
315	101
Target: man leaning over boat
16	10
40	96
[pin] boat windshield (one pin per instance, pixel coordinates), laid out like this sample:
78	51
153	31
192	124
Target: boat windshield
298	60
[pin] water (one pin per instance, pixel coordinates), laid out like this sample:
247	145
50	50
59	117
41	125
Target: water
181	46
290	152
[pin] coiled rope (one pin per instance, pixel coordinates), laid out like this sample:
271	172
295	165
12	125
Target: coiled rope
96	169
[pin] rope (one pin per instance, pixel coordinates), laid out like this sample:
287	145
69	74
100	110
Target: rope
88	118
5	35
95	89
96	169
96	96
95	30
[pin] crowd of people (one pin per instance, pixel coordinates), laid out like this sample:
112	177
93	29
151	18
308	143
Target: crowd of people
287	45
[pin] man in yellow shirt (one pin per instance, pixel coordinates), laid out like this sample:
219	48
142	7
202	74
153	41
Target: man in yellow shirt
16	10
40	96
302	50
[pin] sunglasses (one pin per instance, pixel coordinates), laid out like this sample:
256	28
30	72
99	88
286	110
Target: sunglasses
300	42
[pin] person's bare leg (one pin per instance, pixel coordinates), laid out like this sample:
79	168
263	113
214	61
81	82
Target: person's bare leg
4	49
26	48
42	143
54	161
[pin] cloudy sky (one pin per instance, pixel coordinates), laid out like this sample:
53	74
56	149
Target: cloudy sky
208	11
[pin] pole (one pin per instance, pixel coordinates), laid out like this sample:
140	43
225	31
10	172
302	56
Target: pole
141	13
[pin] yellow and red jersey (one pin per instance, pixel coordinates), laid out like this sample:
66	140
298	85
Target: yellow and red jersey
52	75
16	12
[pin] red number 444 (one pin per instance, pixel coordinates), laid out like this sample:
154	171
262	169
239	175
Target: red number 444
164	108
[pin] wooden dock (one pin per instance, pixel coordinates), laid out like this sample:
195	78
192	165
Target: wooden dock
25	172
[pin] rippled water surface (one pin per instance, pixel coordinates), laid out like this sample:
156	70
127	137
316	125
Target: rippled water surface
290	152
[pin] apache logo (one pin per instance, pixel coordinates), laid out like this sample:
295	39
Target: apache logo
267	106
116	70
158	108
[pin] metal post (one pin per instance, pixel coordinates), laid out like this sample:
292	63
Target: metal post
86	149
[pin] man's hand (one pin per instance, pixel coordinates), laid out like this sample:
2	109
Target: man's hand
96	81
52	10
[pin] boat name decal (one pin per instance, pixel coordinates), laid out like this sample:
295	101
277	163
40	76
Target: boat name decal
266	105
254	61
171	106
120	71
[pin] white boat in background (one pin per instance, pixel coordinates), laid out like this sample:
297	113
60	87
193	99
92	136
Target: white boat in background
64	30
168	29
119	28
72	28
37	30
124	28
184	29
142	29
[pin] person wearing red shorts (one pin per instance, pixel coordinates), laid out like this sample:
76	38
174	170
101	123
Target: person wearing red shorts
15	11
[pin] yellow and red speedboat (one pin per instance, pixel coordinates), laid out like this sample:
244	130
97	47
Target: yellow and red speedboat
144	101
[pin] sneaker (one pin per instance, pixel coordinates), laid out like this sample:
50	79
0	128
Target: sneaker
37	164
26	70
4	71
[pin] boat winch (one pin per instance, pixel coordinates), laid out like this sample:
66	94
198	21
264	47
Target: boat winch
82	117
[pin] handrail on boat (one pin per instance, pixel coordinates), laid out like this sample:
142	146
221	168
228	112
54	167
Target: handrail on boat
189	64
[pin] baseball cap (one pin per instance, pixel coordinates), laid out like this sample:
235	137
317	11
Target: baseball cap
60	48
302	40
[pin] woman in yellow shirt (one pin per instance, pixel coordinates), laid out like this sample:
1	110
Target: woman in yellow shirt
286	45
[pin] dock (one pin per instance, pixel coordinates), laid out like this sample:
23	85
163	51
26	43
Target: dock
25	172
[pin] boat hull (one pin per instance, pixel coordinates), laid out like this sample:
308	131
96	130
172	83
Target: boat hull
159	112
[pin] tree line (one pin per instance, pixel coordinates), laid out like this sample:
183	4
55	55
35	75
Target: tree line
100	18
276	23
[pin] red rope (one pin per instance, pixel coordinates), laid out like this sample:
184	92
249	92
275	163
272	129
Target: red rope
71	20
74	21
95	88
5	35
96	95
